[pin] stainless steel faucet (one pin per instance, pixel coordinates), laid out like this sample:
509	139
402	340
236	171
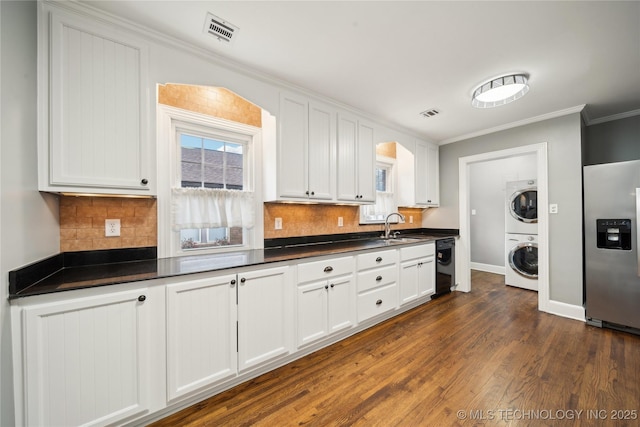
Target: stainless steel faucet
387	226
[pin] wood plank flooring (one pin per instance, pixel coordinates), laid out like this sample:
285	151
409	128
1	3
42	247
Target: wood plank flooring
488	357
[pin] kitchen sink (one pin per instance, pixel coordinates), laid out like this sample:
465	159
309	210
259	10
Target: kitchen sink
401	240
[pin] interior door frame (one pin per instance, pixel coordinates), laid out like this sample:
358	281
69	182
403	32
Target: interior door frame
463	267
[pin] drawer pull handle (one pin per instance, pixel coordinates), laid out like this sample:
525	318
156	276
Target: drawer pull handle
379	259
328	269
379	302
379	278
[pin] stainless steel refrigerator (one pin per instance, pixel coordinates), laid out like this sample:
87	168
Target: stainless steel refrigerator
612	258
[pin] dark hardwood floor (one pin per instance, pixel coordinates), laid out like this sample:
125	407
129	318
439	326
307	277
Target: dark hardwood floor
486	358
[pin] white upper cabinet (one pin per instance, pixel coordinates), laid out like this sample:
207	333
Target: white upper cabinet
92	108
356	160
418	173
427	170
306	150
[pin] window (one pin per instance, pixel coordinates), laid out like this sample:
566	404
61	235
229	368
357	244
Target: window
385	196
210	163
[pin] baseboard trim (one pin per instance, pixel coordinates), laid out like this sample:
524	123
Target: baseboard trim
563	309
489	268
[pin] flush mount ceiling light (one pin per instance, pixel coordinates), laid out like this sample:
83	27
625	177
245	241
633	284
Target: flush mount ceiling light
500	91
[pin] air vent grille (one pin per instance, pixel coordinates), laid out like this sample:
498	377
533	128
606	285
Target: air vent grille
219	28
429	113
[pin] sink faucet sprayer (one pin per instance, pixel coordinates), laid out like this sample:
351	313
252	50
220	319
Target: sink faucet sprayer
387	226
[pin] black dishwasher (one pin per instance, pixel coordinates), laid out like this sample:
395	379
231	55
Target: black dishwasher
445	266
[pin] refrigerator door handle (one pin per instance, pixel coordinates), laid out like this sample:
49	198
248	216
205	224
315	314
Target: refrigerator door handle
637	228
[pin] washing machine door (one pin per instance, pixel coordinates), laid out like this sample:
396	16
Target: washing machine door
523	259
523	205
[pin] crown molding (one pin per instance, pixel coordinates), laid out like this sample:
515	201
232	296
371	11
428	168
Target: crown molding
552	115
611	118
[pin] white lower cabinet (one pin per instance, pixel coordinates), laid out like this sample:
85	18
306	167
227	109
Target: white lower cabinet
377	283
85	360
95	357
325	298
265	316
417	272
201	334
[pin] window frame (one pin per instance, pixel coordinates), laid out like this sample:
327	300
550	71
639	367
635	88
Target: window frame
170	120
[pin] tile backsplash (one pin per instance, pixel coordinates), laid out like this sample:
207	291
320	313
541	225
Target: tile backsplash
313	220
82	223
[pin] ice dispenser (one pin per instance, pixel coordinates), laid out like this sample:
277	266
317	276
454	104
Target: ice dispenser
614	233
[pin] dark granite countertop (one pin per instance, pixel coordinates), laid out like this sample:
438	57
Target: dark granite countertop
70	271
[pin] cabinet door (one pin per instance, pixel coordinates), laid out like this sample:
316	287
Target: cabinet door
321	146
85	360
97	91
292	148
426	174
342	306
265	316
312	312
427	276
433	180
421	173
409	280
366	164
201	334
347	159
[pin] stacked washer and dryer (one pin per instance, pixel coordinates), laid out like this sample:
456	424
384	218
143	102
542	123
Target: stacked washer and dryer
521	234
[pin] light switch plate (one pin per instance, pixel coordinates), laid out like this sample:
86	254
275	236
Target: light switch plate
278	224
553	208
340	221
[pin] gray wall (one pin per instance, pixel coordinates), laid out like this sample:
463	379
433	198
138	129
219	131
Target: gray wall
28	220
614	141
565	188
487	197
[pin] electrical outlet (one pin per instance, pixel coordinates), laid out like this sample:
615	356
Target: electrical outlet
340	222
410	219
278	224
553	208
111	227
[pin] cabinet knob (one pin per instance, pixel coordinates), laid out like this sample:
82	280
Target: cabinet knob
328	269
327	286
144	181
233	282
313	193
332	285
379	278
379	259
379	302
243	280
142	298
306	192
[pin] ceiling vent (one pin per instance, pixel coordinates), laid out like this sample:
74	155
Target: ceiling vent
429	113
219	28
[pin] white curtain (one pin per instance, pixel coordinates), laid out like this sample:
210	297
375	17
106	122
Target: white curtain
211	208
385	204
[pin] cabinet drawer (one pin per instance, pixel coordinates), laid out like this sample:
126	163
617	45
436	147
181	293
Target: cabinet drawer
377	277
420	251
377	301
377	259
317	270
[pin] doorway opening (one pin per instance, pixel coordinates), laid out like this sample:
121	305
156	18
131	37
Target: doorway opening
464	251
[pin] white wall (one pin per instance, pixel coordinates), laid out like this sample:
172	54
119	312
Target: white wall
487	197
563	137
28	219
